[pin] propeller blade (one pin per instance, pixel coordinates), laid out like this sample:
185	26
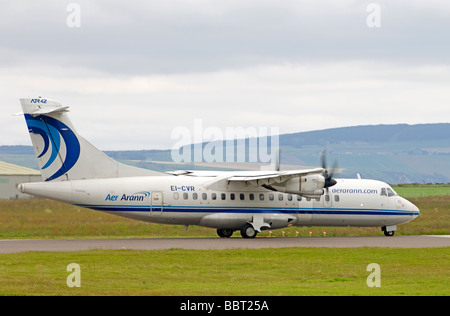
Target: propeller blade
277	162
329	181
323	159
333	169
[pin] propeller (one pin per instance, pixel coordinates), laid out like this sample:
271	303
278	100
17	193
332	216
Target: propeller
277	162
329	181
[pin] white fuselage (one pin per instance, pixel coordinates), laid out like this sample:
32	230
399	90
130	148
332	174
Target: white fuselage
76	172
187	200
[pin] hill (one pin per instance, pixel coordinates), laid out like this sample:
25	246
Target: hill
392	153
370	134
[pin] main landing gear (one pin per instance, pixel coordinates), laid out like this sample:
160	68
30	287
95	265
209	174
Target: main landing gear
224	232
247	231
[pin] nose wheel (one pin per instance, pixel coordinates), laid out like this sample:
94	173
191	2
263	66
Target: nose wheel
389	231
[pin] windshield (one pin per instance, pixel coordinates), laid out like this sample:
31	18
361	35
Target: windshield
388	192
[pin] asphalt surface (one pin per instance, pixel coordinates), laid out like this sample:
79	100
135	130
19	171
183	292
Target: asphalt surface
16	245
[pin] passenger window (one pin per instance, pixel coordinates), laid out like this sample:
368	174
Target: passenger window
242	196
232	196
223	196
289	197
327	198
204	196
251	196
195	196
185	196
213	196
271	196
336	198
175	195
299	197
261	196
280	197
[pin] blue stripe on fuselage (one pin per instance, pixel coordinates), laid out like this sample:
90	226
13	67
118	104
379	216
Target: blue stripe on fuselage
253	210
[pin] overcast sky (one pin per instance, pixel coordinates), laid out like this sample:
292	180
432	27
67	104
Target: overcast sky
135	70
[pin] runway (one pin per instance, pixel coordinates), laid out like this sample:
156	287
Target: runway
21	245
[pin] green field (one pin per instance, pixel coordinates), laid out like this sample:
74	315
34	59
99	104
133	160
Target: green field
422	190
40	218
285	271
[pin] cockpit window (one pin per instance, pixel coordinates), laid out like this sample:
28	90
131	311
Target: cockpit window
388	192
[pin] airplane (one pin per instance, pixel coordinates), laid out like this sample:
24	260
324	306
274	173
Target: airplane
74	171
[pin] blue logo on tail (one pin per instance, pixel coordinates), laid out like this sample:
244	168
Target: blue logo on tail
51	131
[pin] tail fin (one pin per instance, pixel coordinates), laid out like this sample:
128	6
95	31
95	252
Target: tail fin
63	154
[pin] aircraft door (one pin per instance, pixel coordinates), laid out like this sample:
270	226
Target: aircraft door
156	203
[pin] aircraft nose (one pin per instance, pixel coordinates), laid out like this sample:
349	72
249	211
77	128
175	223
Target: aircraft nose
406	205
413	208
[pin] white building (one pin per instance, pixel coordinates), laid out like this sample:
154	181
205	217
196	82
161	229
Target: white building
11	175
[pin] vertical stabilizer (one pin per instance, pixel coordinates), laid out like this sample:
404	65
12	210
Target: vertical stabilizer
63	154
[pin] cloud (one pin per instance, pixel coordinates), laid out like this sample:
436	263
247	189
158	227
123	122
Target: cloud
192	36
134	71
141	111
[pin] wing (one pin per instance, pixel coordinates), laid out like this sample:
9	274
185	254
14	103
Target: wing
308	182
273	177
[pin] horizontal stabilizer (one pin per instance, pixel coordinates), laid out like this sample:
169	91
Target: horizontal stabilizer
40	106
50	110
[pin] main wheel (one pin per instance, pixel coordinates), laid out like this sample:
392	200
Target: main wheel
247	231
224	232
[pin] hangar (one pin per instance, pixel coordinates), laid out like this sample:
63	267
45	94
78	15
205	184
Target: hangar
11	175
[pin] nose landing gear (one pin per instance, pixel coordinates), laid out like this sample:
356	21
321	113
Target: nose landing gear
389	231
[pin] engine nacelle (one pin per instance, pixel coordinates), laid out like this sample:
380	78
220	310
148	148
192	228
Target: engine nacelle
309	186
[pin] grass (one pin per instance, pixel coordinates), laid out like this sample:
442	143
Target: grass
285	271
40	218
422	190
